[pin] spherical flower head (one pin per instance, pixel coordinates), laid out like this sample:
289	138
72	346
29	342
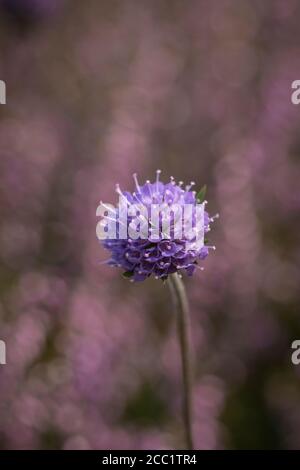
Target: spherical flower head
160	255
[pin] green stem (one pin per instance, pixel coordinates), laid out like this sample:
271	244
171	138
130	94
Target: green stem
181	306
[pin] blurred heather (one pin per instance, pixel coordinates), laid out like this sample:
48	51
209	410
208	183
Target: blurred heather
96	91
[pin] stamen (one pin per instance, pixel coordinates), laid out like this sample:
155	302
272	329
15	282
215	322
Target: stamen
214	217
118	191
109	209
199	267
136	182
189	186
115	220
138	198
158	172
150	189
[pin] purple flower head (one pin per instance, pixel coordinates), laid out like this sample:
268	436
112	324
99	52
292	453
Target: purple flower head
167	253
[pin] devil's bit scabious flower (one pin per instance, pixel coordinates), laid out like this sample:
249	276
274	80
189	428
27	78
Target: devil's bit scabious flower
158	253
142	258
